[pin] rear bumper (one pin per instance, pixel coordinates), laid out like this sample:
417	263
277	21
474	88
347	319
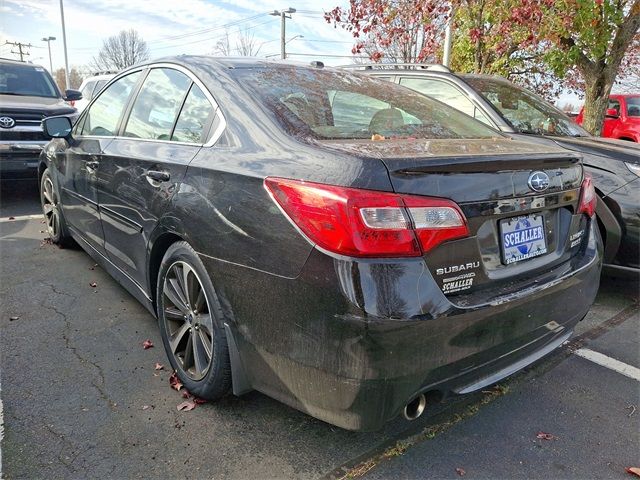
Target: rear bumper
353	356
20	158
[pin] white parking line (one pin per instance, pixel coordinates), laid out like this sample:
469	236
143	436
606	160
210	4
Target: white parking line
21	217
610	363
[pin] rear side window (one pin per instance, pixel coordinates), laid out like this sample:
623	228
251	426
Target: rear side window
446	93
157	105
194	117
104	114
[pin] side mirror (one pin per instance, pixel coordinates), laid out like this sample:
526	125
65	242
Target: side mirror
612	113
72	95
57	127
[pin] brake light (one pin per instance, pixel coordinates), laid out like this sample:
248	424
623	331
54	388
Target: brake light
367	223
588	198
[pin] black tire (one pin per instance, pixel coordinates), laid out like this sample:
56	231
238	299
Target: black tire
50	202
189	314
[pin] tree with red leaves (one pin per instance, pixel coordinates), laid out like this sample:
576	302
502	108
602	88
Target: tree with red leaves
535	42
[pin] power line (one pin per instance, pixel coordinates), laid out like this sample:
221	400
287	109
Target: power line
251	27
165	39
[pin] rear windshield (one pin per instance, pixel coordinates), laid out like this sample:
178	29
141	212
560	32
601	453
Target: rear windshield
26	80
327	104
525	111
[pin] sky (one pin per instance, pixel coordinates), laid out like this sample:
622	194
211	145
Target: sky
169	27
172	27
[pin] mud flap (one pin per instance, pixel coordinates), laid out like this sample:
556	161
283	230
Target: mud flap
239	381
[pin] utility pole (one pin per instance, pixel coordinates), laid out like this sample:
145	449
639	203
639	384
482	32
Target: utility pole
283	18
48	40
64	45
20	47
448	39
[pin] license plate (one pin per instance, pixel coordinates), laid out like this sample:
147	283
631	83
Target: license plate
522	238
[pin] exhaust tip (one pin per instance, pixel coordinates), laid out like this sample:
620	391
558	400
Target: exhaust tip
415	407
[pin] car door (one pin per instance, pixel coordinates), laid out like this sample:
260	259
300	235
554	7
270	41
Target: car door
612	123
142	168
79	169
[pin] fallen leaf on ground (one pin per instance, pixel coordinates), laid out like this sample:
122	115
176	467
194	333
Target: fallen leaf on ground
199	401
12	218
186	406
460	471
13	319
93	284
175	382
147	344
186	394
158	366
546	436
633	470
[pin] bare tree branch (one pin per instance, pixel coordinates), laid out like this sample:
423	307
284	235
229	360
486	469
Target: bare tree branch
121	51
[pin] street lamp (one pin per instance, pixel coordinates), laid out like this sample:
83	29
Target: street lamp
49	40
283	16
293	38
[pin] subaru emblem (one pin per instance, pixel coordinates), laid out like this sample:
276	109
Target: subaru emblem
538	181
7	122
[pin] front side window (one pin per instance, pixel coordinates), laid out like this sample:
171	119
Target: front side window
157	105
446	93
614	105
633	106
194	118
326	104
87	90
525	111
104	114
26	80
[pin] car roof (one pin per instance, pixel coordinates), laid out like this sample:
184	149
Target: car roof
10	61
228	63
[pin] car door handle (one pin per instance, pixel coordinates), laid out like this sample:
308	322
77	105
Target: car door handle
158	175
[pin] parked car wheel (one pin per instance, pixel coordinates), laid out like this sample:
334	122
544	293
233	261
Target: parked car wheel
50	200
191	323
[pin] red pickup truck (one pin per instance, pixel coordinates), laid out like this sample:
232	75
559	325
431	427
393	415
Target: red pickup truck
623	118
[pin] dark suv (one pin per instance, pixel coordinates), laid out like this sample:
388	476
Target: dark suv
28	94
613	164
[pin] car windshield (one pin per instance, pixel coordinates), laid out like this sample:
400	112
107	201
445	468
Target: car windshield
328	104
26	80
525	111
633	106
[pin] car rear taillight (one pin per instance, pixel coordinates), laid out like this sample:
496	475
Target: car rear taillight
367	223
588	198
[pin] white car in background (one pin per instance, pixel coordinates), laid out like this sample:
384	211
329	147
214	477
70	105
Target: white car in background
91	86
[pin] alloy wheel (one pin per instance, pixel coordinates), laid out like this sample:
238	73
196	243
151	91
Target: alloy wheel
188	322
50	208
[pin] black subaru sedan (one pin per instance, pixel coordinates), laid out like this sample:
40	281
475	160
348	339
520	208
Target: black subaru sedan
344	245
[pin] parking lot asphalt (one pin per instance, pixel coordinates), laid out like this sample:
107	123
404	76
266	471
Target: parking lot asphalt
82	397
